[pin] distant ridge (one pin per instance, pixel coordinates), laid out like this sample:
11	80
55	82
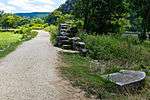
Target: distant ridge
33	14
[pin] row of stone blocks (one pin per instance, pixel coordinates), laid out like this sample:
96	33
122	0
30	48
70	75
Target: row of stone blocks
67	39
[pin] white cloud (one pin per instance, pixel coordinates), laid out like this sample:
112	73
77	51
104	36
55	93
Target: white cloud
30	5
6	8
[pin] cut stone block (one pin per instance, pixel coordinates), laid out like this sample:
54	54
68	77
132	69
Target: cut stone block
67	47
66	42
127	79
62	37
75	39
80	44
64	34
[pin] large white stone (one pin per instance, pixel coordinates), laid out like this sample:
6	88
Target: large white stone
126	77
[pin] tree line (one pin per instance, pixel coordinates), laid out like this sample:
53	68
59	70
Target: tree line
108	16
9	20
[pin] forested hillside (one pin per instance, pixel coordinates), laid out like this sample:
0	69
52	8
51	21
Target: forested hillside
33	14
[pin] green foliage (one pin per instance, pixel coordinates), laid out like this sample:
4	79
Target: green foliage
112	69
141	9
53	31
8	20
108	48
27	32
99	14
77	70
37	21
8	42
37	26
120	25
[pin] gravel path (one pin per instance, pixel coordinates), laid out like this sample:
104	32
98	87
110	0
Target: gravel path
30	73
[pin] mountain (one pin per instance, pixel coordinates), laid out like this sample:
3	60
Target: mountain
33	14
67	6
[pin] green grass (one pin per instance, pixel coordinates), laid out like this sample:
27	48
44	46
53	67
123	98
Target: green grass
26	32
79	71
8	42
109	47
107	55
126	51
53	31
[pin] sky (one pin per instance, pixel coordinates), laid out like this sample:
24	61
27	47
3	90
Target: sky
20	6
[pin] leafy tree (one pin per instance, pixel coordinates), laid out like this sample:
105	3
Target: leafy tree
98	14
141	8
53	17
37	21
8	21
11	21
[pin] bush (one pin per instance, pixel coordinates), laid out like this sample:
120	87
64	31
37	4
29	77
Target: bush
26	32
8	42
109	48
36	26
53	31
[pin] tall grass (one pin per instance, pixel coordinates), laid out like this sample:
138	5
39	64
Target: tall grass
26	32
111	48
8	42
53	31
78	70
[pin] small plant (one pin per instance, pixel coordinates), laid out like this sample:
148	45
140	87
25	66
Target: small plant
53	31
110	48
27	32
8	42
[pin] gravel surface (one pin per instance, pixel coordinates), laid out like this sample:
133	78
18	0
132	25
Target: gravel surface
30	73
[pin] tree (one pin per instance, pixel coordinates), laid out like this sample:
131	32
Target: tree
53	17
11	21
99	14
8	21
141	8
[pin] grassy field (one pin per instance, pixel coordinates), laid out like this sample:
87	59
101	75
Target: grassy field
8	42
82	73
107	55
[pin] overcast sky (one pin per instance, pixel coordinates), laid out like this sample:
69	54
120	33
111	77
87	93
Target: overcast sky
16	6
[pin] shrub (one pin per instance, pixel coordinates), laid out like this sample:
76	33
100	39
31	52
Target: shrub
36	26
53	31
109	48
8	42
27	32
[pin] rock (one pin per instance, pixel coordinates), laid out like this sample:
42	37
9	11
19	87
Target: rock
66	42
67	47
127	80
62	30
75	39
80	44
83	52
62	38
64	34
63	26
74	31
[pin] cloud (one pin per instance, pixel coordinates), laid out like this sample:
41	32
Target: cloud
30	5
6	8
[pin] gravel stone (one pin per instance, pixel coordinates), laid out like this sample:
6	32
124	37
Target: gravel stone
30	73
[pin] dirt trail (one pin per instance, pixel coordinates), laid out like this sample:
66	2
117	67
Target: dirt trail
30	73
